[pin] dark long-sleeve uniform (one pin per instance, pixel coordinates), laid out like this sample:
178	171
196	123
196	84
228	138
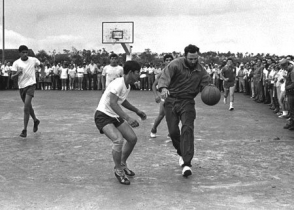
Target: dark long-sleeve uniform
183	84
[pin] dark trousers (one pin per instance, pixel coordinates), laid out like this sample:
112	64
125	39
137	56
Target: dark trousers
290	99
92	81
56	82
183	110
143	83
86	82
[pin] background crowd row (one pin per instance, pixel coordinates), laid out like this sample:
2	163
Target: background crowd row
262	78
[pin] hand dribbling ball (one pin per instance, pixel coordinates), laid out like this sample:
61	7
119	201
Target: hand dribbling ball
210	95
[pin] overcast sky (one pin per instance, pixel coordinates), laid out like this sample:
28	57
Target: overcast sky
265	26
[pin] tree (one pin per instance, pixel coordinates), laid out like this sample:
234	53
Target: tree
43	56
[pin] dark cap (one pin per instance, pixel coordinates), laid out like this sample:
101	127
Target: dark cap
22	48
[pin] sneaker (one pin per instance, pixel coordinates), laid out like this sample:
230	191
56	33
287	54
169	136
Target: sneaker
181	161
168	135
23	133
231	108
36	124
121	177
225	100
186	171
283	116
127	171
152	135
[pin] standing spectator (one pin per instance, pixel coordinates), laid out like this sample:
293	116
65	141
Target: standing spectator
237	78
270	81
265	83
241	75
93	75
257	76
150	76
42	76
100	81
289	87
143	78
5	75
86	76
113	70
80	75
56	76
71	76
251	79
215	75
48	73
277	89
246	82
64	76
157	71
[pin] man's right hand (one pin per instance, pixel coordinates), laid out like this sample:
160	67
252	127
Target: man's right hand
157	99
132	122
164	93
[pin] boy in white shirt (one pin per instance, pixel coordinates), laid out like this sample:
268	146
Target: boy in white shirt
113	70
111	120
25	68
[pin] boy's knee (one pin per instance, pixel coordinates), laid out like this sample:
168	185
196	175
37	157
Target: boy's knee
133	140
118	144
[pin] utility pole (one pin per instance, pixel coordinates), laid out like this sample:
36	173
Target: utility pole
3	36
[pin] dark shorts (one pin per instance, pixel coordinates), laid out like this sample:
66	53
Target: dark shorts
101	119
29	90
228	84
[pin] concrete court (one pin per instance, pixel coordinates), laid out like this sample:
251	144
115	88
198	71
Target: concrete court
243	159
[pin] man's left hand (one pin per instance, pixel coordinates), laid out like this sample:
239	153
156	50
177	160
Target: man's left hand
142	115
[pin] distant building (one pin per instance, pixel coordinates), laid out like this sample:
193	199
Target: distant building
12	54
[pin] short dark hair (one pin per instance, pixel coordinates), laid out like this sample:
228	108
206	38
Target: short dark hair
131	66
113	55
231	59
167	56
22	48
191	49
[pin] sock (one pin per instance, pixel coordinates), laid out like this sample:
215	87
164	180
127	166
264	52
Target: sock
231	104
285	112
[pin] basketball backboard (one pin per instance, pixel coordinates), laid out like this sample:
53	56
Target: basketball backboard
117	32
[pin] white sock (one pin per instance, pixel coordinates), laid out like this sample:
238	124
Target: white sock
231	104
285	112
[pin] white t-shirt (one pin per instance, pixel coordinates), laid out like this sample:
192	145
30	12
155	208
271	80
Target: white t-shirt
117	87
80	71
72	72
112	73
28	75
5	70
93	68
63	74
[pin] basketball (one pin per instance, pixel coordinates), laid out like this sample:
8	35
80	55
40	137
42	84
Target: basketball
210	95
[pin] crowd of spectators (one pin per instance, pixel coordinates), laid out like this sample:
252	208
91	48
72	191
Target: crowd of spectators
261	78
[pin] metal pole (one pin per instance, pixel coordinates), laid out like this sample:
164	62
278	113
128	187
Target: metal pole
3	30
